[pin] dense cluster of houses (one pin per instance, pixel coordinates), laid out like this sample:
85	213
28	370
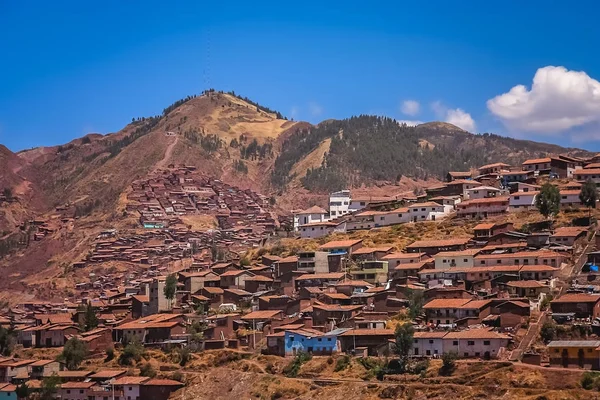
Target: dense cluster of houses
491	190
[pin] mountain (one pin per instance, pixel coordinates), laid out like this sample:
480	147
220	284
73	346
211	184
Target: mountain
75	190
366	149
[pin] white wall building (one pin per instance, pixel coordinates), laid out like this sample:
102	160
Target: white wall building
588	173
482	192
339	203
429	211
317	229
309	216
522	201
570	198
455	259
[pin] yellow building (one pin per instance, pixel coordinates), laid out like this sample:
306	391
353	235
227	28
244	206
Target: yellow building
371	271
575	353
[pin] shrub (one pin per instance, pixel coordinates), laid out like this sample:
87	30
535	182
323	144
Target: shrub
448	363
420	367
590	380
342	363
178	376
110	353
147	370
134	351
291	370
73	354
185	356
548	331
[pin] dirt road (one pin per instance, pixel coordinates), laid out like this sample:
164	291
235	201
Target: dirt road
168	153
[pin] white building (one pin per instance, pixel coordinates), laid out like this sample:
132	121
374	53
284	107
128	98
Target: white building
475	343
309	216
522	201
130	385
398	258
429	211
394	217
482	192
339	203
449	202
428	344
570	198
538	164
455	259
588	173
483	208
317	229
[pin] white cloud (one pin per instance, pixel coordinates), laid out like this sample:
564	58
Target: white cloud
295	112
410	107
409	122
454	116
315	109
558	100
461	119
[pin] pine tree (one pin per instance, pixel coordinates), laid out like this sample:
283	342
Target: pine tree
589	195
548	200
170	288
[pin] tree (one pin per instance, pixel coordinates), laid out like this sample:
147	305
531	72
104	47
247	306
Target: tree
7	341
7	192
22	391
147	370
133	351
170	288
448	363
548	200
49	387
589	195
91	320
415	304
404	342
74	352
548	331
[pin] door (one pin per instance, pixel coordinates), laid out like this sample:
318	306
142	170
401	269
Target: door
433	217
48	342
580	358
565	358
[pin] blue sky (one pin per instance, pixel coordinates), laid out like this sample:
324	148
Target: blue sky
70	68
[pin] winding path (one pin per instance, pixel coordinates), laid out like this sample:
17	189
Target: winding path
168	153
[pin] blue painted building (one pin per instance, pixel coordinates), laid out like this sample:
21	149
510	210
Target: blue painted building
311	341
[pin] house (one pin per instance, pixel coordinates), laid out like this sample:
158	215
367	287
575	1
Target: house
575	354
539	165
75	390
339	203
449	202
324	314
540	257
374	272
516	176
13	368
313	262
428	344
97	340
140	306
395	259
315	230
342	246
258	283
130	386
564	166
458	259
529	288
41	368
194	281
482	342
318	280
492	168
568	236
429	211
586	174
8	392
409	269
159	389
371	253
311	341
570	198
431	247
583	305
370	339
454	175
236	296
235	279
485	231
449	311
482	192
310	215
393	217
483	208
151	329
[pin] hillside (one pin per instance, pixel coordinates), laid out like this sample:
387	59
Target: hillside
366	149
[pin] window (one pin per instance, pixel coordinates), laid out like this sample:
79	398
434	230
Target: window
465	260
382	218
466	354
423	209
416	341
455	342
329	339
564	197
516	197
430	341
399	215
486	342
319	339
470	342
428	352
362	203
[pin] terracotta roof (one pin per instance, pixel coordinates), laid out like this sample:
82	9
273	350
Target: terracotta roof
476	334
369	250
354	283
525	284
259	278
429	335
446	303
337	307
130	380
324	223
590	171
339	296
77	385
537	161
327	275
41	363
369	332
313	210
499	164
519	254
485	200
108	374
289	259
409	266
237	272
262	314
427	204
402	256
438	243
569	231
521	194
538	268
460	174
460	253
485	226
336	244
162	382
212	290
577	298
238	292
142	298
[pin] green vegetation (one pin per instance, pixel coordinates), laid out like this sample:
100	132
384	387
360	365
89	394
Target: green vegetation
90	318
22	391
548	200
548	331
110	354
415	304
8	194
293	368
134	351
256	151
448	363
404	342
49	387
589	195
342	363
258	106
148	370
209	142
170	288
176	104
240	166
590	380
73	354
7	341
